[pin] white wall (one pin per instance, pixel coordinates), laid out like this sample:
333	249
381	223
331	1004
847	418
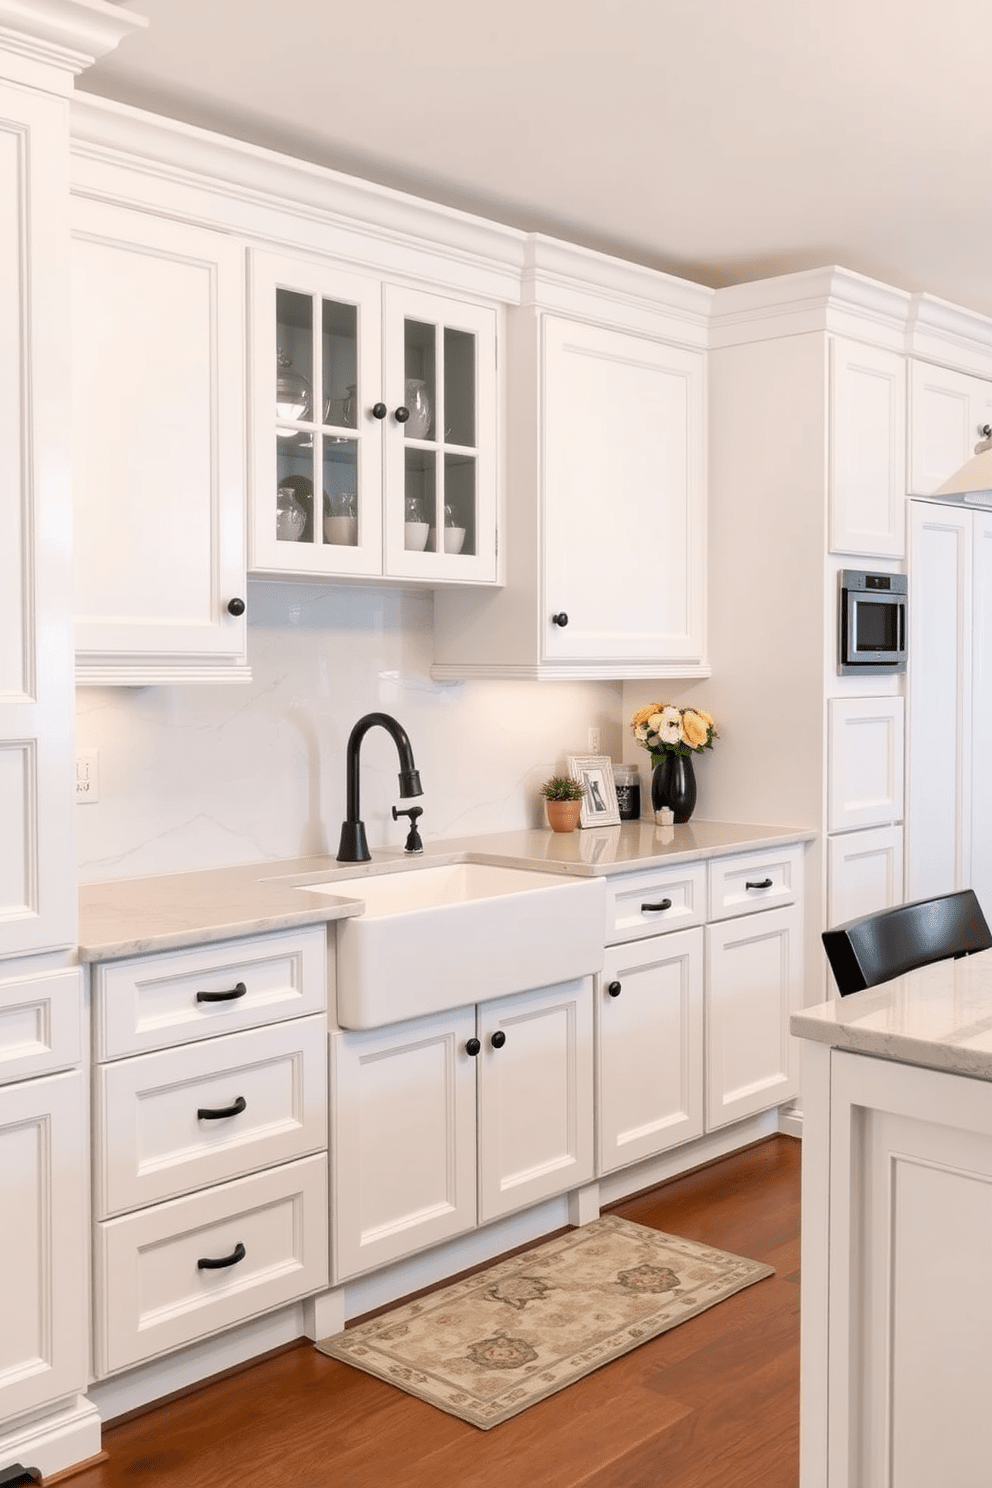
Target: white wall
205	776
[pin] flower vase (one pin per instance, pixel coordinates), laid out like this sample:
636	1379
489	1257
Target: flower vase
673	784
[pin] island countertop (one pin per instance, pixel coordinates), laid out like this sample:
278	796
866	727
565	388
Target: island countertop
135	916
938	1017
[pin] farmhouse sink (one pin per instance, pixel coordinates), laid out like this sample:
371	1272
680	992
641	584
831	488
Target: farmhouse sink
430	939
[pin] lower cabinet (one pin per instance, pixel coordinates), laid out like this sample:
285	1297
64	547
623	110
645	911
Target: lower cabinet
753	984
210	1136
44	1284
44	1291
692	1018
649	1033
442	1123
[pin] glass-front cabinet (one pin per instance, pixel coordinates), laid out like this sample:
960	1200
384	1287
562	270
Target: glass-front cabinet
374	428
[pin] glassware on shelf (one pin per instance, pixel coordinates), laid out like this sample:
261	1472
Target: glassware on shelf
341	519
454	535
294	397
291	518
416	525
418	401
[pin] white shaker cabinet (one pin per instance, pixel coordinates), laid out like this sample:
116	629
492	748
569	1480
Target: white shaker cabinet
948	409
158	448
37	867
441	1123
374	418
606	500
867	449
949	785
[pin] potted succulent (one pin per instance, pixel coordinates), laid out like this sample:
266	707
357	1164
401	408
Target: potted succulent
563	799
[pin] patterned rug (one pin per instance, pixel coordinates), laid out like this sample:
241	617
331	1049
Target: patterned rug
490	1346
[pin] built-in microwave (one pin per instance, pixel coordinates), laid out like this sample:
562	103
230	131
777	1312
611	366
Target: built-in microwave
872	622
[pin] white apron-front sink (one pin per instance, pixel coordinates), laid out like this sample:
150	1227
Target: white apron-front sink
436	938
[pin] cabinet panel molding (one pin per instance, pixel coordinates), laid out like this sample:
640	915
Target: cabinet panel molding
866	749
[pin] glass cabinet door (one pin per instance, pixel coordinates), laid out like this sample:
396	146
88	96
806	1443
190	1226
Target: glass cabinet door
440	438
317	475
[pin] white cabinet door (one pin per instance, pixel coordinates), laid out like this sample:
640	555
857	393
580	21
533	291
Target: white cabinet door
649	1047
867	459
440	463
37	861
622	444
864	873
374	416
403	1148
535	1096
864	762
939	693
754	982
158	448
947	411
44	1287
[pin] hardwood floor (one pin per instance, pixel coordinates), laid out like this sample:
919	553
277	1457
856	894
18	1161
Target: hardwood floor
712	1404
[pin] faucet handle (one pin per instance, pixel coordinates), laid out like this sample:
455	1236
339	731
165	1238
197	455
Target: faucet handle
413	842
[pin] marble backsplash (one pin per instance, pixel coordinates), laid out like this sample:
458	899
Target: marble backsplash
204	776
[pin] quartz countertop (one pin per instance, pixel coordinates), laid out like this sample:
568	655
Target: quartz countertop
130	917
939	1017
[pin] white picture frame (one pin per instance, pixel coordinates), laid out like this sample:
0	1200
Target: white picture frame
599	803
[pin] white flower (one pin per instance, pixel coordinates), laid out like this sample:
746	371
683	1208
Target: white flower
657	721
640	733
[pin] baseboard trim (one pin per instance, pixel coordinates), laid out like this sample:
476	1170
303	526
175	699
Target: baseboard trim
65	1438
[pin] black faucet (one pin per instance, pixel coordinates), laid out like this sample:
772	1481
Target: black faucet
353	847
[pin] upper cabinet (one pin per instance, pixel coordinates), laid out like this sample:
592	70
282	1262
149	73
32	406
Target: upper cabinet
948	410
374	416
158	448
867	449
37	883
606	550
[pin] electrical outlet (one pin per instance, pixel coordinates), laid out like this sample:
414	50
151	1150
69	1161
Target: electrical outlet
594	741
87	777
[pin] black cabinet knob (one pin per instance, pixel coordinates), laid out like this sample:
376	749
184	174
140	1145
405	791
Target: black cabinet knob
401	414
472	1047
379	410
560	619
498	1039
235	606
614	989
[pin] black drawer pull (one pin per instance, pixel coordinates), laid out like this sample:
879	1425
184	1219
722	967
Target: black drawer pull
217	1263
615	988
205	1113
663	904
237	991
765	883
472	1047
498	1039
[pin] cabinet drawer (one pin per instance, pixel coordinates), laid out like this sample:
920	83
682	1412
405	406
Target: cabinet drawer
155	1002
40	1024
761	880
634	902
151	1143
151	1294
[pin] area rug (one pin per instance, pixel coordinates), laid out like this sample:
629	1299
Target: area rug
490	1346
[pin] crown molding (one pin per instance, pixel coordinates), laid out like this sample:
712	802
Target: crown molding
147	160
939	331
60	36
827	299
565	277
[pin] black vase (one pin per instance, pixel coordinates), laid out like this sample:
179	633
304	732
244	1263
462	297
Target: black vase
673	784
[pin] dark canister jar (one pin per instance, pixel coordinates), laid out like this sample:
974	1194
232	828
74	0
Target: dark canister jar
627	779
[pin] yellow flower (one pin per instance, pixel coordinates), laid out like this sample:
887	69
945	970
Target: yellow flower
694	728
706	717
643	714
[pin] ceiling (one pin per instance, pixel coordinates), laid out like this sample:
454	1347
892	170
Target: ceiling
723	140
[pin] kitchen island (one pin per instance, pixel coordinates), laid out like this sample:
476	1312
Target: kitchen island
897	1215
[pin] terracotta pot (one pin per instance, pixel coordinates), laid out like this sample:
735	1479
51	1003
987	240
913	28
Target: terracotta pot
563	816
